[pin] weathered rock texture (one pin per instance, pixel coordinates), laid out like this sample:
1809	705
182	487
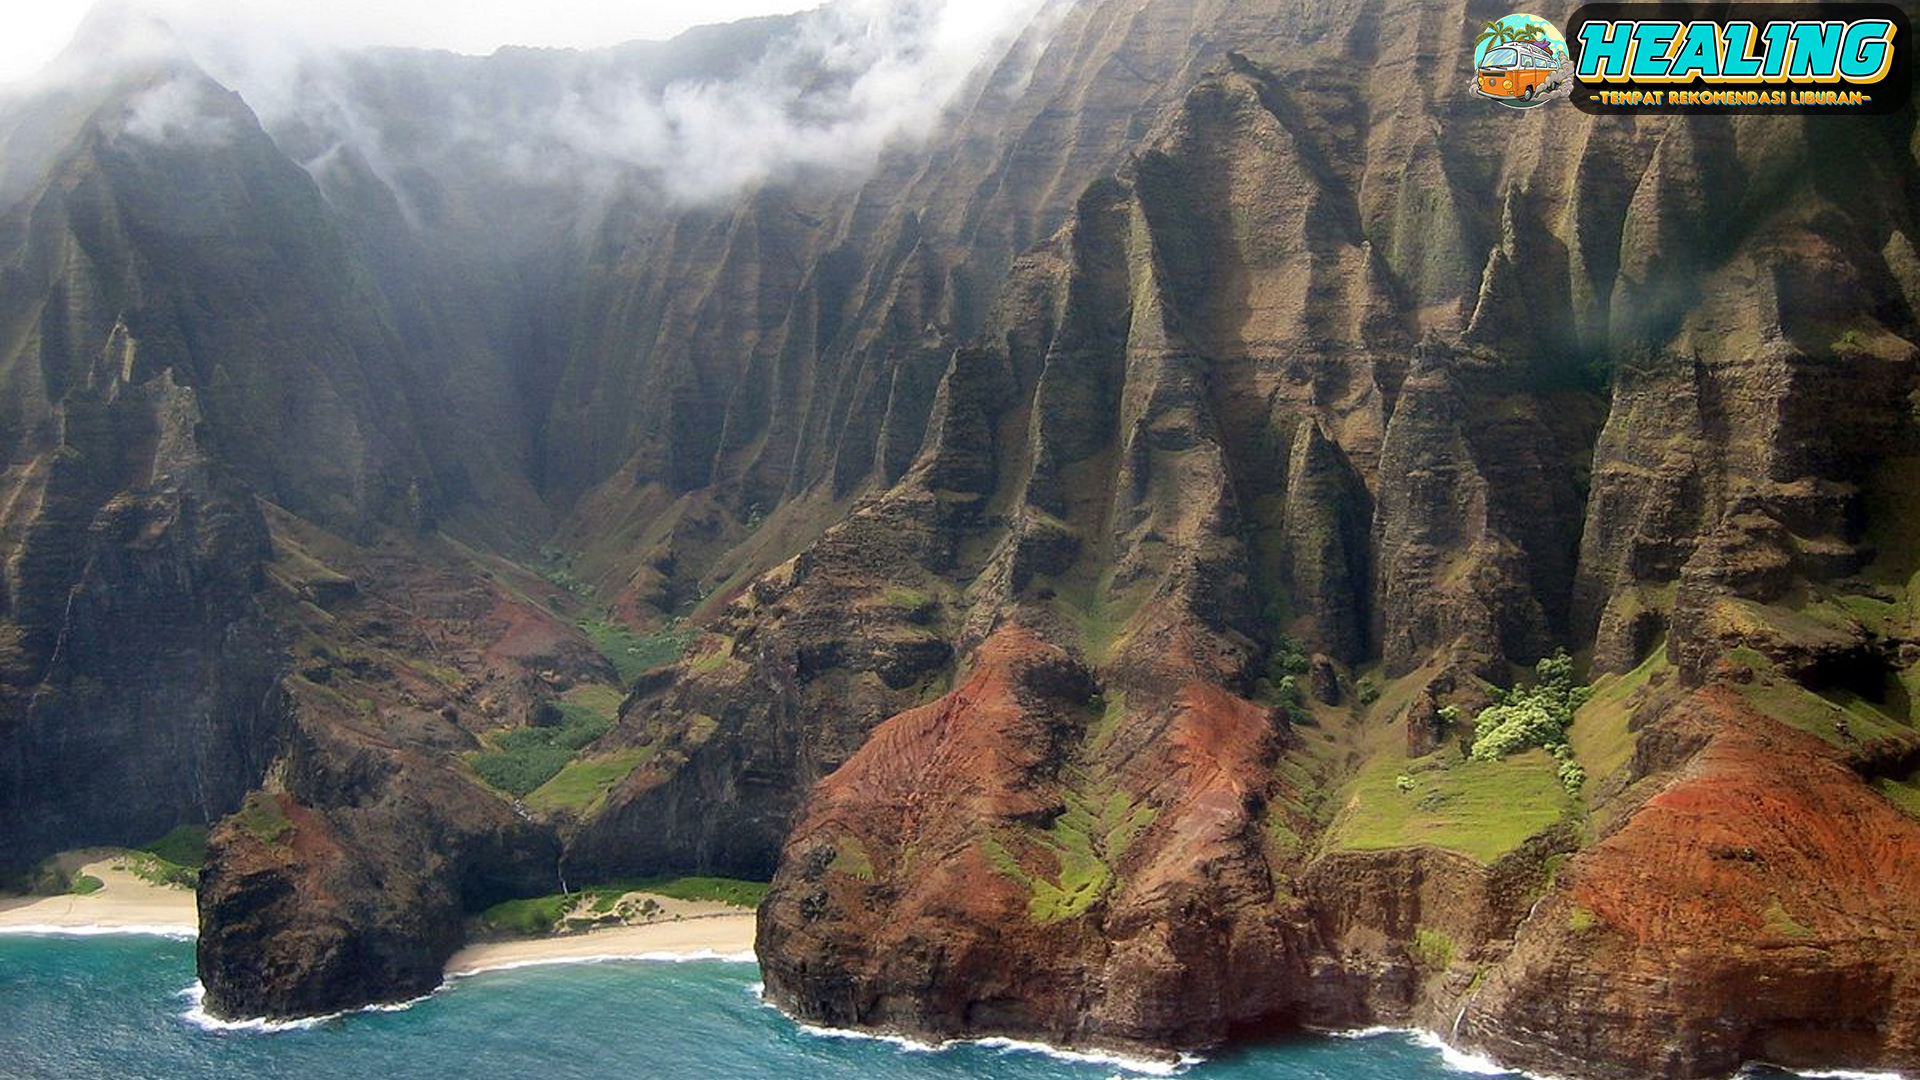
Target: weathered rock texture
1370	381
1092	533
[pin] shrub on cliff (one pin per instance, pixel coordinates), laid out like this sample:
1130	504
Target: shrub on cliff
1285	665
1572	776
1289	657
262	817
1526	717
184	845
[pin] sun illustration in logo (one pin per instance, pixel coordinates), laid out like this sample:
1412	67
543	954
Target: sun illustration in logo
1521	61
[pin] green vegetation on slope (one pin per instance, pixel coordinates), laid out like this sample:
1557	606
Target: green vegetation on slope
907	599
1099	616
154	870
1781	923
719	890
1432	949
1843	720
184	845
174	860
601	700
1113	709
539	915
1535	716
1904	794
1287	662
632	653
261	816
556	568
524	759
1482	809
531	917
1601	734
850	858
1088	840
581	786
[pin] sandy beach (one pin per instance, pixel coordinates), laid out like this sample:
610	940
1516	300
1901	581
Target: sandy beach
126	904
123	904
723	935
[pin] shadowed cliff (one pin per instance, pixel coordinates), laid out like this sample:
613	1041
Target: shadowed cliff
1070	557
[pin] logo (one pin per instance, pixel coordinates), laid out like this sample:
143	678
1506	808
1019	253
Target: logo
1741	57
1521	61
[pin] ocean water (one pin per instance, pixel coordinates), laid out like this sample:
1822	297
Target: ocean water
118	1007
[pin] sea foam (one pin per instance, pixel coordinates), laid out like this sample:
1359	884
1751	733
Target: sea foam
198	1016
707	955
1844	1075
177	933
1133	1065
1465	1061
1454	1058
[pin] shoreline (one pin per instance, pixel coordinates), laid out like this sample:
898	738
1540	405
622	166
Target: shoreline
693	931
124	904
718	936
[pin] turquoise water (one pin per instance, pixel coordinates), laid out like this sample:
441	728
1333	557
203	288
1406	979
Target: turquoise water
111	1008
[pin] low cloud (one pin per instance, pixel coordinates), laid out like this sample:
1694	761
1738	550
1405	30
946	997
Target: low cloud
855	77
178	112
830	92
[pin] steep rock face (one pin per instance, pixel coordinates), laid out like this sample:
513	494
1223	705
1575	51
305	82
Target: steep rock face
778	693
1317	352
1097	460
951	813
796	342
1737	452
1476	525
1110	463
1761	905
1248	226
218	255
307	913
186	329
141	679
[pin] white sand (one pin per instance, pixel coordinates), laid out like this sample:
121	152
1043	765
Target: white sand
724	935
124	904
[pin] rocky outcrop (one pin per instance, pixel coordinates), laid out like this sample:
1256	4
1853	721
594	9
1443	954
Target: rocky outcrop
1763	844
349	878
1014	857
1734	532
1002	494
348	886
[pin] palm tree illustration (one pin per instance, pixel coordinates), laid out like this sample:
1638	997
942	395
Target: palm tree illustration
1496	33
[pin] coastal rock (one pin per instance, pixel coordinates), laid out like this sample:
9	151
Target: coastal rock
307	912
997	861
1762	843
951	537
